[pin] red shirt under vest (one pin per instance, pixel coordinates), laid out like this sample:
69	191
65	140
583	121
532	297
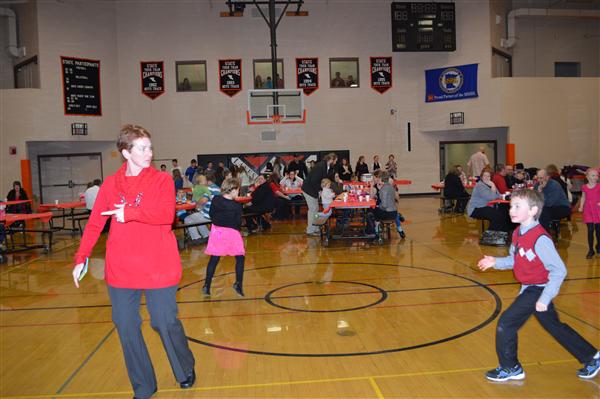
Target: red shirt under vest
528	267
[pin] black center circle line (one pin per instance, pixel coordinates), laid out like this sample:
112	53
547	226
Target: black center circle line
269	298
488	320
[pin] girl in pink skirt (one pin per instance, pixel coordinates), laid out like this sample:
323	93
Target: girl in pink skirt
225	238
590	205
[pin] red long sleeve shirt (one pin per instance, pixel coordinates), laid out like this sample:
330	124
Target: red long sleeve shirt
142	252
500	183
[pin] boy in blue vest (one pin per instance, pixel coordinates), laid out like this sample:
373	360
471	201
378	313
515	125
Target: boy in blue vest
539	269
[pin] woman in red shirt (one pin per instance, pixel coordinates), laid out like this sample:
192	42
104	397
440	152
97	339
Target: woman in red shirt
141	256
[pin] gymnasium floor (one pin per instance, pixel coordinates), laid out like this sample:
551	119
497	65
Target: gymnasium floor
406	319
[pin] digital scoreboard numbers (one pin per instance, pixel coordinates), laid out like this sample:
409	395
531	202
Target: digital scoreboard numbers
423	27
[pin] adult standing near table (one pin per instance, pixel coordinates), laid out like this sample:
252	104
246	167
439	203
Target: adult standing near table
345	170
391	166
312	186
361	167
191	170
141	200
376	165
477	162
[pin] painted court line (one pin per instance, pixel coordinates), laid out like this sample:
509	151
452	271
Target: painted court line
371	379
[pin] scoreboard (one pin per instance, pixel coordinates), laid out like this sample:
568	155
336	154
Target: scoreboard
423	27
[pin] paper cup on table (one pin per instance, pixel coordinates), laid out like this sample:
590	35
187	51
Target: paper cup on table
368	197
56	202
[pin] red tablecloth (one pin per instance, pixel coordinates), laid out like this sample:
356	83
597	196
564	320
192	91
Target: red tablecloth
243	200
61	205
402	182
357	183
351	204
292	191
186	206
10	218
16	202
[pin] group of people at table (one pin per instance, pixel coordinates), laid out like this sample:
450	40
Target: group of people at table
488	199
277	194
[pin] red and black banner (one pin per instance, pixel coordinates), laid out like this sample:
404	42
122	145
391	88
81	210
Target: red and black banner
307	74
230	76
381	74
153	78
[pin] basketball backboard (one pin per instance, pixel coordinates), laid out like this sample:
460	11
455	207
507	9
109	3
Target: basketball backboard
280	105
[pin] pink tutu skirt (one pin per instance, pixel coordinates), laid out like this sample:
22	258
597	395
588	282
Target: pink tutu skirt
224	241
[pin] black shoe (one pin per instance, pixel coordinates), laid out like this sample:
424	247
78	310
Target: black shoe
402	234
401	218
238	288
189	382
206	291
590	254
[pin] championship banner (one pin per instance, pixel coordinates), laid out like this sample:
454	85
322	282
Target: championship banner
153	78
230	76
453	83
307	74
381	74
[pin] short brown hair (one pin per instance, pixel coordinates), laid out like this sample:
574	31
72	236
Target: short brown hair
384	176
533	198
229	185
330	156
128	134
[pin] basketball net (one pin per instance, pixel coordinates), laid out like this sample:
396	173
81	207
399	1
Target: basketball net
276	123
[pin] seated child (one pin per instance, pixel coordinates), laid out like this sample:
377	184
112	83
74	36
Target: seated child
327	197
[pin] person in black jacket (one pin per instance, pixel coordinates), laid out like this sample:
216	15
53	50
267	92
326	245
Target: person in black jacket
299	166
18	194
312	186
345	170
361	167
225	238
454	189
263	201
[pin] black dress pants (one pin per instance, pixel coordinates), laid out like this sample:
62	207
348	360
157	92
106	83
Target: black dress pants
517	314
162	306
550	213
498	217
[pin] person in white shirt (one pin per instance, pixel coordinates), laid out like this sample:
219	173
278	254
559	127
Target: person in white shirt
478	162
91	194
175	165
291	181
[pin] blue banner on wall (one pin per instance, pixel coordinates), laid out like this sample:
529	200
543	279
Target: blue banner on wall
453	83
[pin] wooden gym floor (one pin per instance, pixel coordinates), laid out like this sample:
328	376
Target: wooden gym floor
406	319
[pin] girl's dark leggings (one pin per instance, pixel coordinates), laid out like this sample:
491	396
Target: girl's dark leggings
212	267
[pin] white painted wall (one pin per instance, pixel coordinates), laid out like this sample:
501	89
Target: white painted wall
552	120
542	41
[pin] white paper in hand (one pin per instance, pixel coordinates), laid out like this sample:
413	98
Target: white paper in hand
84	270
